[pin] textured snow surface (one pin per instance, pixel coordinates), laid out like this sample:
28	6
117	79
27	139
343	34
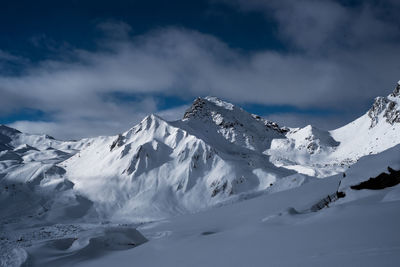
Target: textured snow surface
279	229
166	186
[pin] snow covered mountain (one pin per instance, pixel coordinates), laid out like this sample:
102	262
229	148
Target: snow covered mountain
160	168
375	131
322	153
217	154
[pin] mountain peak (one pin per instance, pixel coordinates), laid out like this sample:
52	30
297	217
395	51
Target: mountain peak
232	123
152	117
201	106
226	114
151	123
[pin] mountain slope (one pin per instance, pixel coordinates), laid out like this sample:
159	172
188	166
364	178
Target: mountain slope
217	153
321	153
375	131
158	168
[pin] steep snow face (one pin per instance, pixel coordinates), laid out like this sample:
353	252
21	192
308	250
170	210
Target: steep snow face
157	169
374	132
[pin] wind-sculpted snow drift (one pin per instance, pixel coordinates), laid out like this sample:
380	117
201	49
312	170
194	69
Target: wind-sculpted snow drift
217	154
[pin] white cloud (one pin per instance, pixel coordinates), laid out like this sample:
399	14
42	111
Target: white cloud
322	26
187	64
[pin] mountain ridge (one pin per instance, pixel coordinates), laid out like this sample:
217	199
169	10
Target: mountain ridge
217	152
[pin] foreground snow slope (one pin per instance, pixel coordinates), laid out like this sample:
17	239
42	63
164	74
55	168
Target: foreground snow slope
276	229
360	229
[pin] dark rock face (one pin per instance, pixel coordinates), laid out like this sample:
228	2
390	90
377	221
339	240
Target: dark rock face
376	109
386	105
382	181
392	113
202	109
396	91
117	142
221	187
272	125
312	147
196	107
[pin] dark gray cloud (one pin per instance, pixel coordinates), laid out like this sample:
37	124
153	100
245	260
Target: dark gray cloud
340	58
327	122
322	26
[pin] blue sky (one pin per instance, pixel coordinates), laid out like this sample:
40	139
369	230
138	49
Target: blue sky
83	68
74	22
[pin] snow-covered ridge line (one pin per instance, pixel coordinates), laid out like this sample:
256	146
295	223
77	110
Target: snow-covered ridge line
215	153
323	153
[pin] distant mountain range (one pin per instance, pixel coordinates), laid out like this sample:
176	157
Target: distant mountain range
217	153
